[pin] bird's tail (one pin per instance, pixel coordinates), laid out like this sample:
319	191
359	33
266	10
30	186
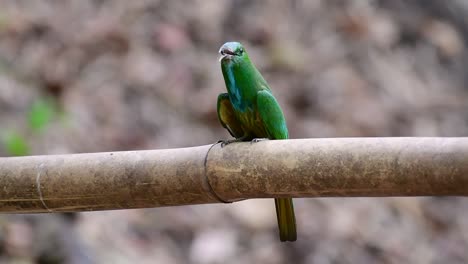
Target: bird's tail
286	219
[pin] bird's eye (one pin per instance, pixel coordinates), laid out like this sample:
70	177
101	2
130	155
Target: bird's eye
241	50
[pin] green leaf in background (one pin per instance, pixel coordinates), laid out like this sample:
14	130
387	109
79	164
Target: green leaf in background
15	144
41	114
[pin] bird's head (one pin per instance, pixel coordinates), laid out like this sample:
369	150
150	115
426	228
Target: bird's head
232	52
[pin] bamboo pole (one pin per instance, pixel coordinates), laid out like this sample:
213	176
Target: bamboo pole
212	174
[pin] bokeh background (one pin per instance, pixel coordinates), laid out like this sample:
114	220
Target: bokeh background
96	75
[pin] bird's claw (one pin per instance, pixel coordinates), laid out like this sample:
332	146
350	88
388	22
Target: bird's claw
226	142
256	140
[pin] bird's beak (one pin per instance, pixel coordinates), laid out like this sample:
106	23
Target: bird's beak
225	53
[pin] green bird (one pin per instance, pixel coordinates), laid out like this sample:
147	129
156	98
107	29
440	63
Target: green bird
249	111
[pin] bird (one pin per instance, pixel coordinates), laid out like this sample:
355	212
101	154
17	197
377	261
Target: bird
250	112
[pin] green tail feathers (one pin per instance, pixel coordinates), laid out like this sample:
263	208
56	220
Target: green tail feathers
286	219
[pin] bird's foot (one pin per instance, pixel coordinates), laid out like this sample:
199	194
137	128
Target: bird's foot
256	140
227	142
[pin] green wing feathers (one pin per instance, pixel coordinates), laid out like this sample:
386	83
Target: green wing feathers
271	115
227	116
286	219
275	126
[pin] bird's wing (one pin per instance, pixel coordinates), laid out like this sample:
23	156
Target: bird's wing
227	117
271	115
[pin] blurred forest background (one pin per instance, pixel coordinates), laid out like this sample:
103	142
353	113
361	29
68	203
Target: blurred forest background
96	75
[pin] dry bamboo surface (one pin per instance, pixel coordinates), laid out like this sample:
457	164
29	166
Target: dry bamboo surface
212	174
